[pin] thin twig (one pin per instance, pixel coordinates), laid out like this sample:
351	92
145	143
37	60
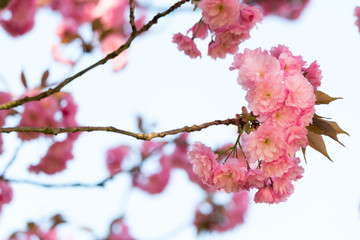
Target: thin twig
141	136
54	185
132	16
111	55
12	159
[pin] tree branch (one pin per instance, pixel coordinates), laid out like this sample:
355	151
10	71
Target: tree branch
132	16
111	55
63	185
141	136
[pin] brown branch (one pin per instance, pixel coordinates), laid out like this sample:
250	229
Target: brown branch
141	136
62	185
111	55
132	16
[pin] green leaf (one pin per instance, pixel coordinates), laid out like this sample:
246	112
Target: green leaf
323	98
316	142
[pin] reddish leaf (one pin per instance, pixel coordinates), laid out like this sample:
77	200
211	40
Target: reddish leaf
323	98
57	219
44	78
316	142
303	151
23	79
327	128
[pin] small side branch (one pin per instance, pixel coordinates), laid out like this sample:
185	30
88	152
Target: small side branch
141	136
111	55
132	15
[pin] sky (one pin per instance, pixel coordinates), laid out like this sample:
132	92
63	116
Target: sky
170	89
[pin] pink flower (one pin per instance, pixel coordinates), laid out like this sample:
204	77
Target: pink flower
157	182
264	195
296	137
290	64
74	10
306	116
55	159
283	8
229	177
150	147
250	15
266	144
254	179
313	74
56	53
6	193
301	93
234	212
219	13
227	40
111	13
296	171
283	117
199	30
187	45
282	188
276	168
266	96
38	114
258	65
22	17
114	159
66	27
357	15
204	162
238	61
112	42
119	231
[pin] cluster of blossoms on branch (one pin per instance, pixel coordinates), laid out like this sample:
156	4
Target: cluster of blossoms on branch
280	95
217	217
108	19
229	24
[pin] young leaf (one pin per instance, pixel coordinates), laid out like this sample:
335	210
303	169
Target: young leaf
44	78
303	151
316	142
323	98
327	128
23	79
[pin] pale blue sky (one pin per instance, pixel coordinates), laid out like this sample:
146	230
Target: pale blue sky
168	88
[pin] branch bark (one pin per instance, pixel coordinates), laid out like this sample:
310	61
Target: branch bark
111	55
141	136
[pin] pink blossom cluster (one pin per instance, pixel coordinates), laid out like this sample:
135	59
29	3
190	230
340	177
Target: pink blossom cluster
221	217
56	111
6	193
357	15
229	24
290	9
109	20
119	231
280	94
36	233
155	182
